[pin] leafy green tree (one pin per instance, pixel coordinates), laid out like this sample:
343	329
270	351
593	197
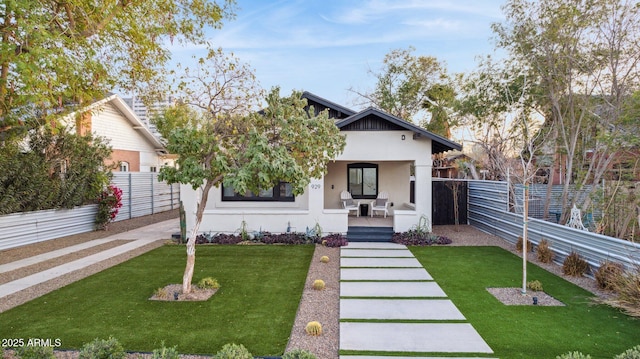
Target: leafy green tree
57	169
496	104
408	84
218	139
441	98
583	57
57	56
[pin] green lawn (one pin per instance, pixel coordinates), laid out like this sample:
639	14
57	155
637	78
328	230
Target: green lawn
256	305
526	331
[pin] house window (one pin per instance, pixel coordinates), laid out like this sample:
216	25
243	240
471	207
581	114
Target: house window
282	192
124	166
362	180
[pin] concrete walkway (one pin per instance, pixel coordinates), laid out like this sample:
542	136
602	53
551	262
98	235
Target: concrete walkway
390	303
139	237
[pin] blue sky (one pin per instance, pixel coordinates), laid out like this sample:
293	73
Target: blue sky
327	46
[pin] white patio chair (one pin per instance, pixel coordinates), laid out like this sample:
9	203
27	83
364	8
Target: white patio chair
348	202
381	204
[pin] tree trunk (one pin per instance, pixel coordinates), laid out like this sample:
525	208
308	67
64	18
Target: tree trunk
552	171
191	243
191	258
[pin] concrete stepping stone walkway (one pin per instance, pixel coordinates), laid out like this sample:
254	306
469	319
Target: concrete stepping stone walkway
411	309
390	303
391	289
384	274
376	262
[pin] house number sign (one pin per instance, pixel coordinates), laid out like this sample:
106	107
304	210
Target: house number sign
315	186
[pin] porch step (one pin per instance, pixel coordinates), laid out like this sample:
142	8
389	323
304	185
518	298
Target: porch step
369	234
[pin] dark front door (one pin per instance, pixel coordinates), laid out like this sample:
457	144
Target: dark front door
363	180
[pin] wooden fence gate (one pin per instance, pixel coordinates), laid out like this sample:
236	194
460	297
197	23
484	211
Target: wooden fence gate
443	205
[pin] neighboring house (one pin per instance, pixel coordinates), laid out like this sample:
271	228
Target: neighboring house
382	153
135	148
446	165
146	113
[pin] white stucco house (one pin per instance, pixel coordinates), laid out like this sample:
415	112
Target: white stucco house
382	153
135	148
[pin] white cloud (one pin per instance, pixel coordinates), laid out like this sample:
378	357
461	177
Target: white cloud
327	46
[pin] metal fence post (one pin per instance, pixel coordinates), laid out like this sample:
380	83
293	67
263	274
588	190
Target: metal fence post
153	204
130	197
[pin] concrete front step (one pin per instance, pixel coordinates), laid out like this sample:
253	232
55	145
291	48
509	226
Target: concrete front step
369	234
399	309
374	245
412	337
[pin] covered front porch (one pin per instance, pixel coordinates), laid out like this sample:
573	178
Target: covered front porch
365	180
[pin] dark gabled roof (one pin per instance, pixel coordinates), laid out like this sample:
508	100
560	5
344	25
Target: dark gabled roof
328	104
439	143
345	116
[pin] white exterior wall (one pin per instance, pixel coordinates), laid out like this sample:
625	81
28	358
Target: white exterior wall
386	148
275	217
109	122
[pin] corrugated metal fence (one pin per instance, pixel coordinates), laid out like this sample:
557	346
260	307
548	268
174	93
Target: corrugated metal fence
488	212
537	197
143	194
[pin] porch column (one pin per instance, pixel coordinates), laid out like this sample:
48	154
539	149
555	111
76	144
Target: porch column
316	198
423	190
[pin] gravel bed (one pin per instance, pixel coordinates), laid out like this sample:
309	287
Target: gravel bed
320	305
48	264
514	296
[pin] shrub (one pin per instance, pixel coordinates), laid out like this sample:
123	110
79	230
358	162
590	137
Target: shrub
299	354
318	284
519	245
334	240
573	355
208	283
35	352
627	288
165	353
109	203
233	351
535	285
220	238
102	349
324	259
418	238
633	353
607	274
286	238
574	265
313	328
161	293
544	252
